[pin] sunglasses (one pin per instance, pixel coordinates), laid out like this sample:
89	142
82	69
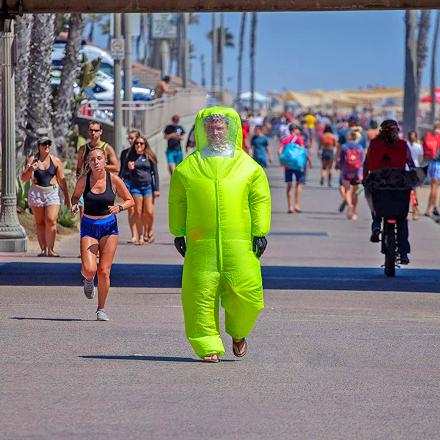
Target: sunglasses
139	143
93	130
46	144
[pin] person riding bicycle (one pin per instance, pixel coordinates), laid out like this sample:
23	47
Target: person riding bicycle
388	152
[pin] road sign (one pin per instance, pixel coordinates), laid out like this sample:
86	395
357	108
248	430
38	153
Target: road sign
164	26
117	47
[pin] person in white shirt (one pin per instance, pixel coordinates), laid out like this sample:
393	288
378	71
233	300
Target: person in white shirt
415	147
416	150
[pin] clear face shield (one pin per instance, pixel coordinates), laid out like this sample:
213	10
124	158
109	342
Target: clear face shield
220	133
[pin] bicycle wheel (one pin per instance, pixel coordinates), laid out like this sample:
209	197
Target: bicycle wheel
390	249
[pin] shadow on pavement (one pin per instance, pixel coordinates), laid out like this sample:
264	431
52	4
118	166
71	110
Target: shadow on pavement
147	358
25	318
274	277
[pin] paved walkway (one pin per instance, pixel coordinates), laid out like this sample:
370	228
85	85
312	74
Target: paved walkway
339	352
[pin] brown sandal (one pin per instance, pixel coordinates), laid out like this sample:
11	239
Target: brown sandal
239	347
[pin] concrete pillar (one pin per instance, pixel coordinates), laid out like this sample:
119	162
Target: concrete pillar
12	235
164	57
185	70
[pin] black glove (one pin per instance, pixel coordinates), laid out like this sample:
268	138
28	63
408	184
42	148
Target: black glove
180	244
259	246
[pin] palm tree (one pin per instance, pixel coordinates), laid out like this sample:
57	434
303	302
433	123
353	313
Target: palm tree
240	59
225	39
40	61
252	57
422	45
228	40
433	65
63	108
23	38
416	34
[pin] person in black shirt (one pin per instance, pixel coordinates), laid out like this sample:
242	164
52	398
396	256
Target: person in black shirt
173	133
144	187
124	174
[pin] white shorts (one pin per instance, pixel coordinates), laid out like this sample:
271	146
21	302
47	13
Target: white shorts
41	196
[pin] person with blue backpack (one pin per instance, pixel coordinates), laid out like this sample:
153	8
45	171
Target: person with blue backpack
294	157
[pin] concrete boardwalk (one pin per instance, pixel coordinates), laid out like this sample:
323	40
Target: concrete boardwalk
340	352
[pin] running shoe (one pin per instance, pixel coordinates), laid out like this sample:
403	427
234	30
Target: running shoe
89	289
342	206
101	315
436	212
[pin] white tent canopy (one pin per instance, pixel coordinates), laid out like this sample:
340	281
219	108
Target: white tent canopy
258	97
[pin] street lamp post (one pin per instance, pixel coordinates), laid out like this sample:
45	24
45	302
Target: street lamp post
214	55
128	77
12	235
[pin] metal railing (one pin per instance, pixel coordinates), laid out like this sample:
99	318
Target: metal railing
150	117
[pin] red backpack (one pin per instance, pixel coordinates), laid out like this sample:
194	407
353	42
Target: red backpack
352	160
430	146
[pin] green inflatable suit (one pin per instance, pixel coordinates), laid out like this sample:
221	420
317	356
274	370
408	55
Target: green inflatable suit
219	200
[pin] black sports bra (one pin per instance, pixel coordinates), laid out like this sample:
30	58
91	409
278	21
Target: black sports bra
43	177
97	204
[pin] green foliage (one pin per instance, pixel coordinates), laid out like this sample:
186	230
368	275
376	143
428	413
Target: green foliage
88	72
64	218
22	195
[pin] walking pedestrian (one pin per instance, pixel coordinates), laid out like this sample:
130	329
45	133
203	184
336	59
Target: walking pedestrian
47	174
143	182
416	150
173	133
296	169
351	160
124	174
431	150
219	212
260	147
99	226
326	152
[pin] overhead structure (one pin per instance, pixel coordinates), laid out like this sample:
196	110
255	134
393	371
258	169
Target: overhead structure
103	6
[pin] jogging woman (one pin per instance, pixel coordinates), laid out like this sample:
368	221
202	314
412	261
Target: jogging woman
143	182
47	173
99	227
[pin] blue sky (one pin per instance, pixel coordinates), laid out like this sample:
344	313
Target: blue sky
310	50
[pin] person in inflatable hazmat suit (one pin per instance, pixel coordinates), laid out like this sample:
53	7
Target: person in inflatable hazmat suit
219	212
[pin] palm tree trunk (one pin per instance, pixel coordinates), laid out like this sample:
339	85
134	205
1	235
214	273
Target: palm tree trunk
64	104
433	65
240	59
252	58
422	49
23	39
40	93
410	92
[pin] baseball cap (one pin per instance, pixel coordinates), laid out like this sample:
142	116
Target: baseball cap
44	140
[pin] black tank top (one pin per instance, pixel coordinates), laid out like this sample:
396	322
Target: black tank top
43	177
97	204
